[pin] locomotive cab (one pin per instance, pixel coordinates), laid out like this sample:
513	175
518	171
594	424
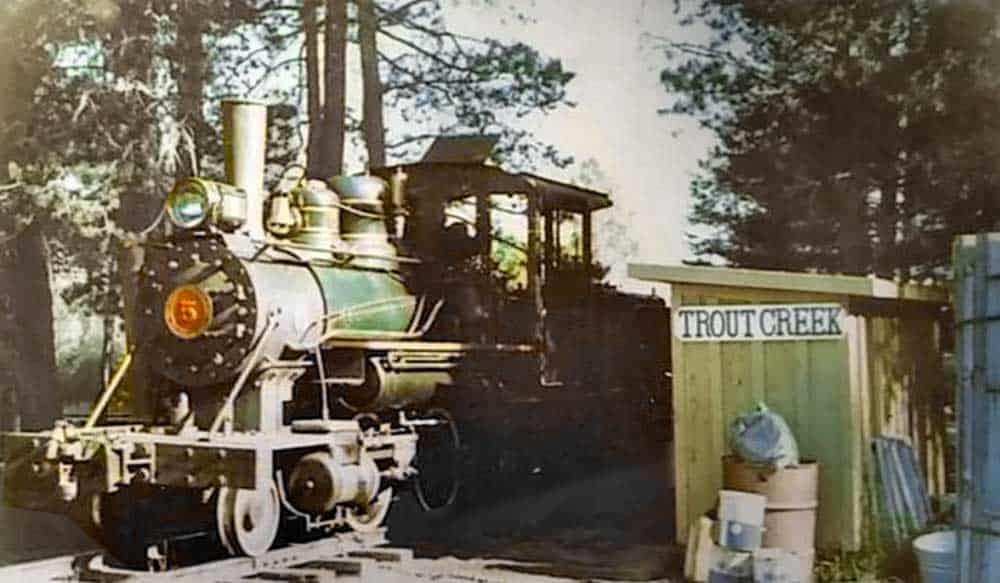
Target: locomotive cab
508	251
512	256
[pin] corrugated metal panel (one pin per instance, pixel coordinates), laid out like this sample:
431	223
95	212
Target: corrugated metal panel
977	267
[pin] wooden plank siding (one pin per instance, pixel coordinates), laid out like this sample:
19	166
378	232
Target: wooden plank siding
908	392
883	377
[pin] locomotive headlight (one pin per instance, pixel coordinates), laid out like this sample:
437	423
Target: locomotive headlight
196	202
189	204
187	312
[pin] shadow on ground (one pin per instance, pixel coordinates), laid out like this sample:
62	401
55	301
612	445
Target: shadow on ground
614	525
28	536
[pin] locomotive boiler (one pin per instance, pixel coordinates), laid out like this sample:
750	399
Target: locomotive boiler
296	358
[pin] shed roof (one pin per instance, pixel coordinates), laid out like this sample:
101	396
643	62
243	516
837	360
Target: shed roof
872	287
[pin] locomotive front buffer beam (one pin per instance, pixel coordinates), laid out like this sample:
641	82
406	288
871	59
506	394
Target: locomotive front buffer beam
70	470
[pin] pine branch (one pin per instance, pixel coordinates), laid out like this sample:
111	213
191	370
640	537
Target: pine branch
431	55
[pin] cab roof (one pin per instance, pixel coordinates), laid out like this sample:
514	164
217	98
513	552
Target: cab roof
462	165
456	180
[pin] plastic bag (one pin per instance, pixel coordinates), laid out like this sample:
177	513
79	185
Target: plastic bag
762	437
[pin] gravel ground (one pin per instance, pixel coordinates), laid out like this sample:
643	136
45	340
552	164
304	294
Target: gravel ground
616	525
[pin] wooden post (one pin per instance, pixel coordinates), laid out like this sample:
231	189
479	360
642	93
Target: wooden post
557	238
550	242
588	251
535	284
533	249
484	229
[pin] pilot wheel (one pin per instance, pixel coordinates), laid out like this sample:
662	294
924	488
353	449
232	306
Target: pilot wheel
370	517
248	520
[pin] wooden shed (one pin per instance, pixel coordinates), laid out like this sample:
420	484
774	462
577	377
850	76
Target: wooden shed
841	358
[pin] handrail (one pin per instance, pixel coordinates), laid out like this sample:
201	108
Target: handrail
366	308
116	380
347	253
383	334
269	327
418	312
324	399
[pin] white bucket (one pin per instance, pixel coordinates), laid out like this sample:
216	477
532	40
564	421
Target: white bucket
730	566
741	519
742	507
936	555
771	565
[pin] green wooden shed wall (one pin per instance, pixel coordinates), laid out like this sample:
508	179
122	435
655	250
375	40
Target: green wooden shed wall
884	376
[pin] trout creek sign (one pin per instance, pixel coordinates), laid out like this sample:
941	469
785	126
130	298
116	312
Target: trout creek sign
759	322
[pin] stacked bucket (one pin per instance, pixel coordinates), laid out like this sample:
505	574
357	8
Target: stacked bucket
792	502
767	509
741	528
765	529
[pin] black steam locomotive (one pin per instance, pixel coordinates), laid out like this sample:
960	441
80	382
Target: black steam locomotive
296	358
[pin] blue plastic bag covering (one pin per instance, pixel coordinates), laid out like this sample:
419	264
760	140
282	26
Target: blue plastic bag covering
762	437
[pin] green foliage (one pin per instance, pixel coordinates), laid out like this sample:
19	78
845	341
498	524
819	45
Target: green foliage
102	133
108	102
853	136
857	566
509	260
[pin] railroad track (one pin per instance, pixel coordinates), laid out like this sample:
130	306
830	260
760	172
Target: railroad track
350	557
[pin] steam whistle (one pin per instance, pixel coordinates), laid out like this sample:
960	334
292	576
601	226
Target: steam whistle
397	183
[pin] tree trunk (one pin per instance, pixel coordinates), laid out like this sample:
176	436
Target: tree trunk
331	162
131	58
852	239
27	338
372	119
190	74
314	149
131	52
38	395
888	213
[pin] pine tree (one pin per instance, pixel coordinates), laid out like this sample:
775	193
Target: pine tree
854	137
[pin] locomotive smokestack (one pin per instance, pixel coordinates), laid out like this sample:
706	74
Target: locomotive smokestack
244	130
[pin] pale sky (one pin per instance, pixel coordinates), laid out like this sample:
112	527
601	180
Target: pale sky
648	158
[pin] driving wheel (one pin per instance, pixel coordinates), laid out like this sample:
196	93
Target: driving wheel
438	462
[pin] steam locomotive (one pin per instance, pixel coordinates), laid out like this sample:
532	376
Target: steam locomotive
297	358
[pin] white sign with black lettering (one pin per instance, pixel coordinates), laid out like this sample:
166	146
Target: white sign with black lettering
759	322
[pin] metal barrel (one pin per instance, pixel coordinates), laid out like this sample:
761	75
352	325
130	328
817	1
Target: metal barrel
244	130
